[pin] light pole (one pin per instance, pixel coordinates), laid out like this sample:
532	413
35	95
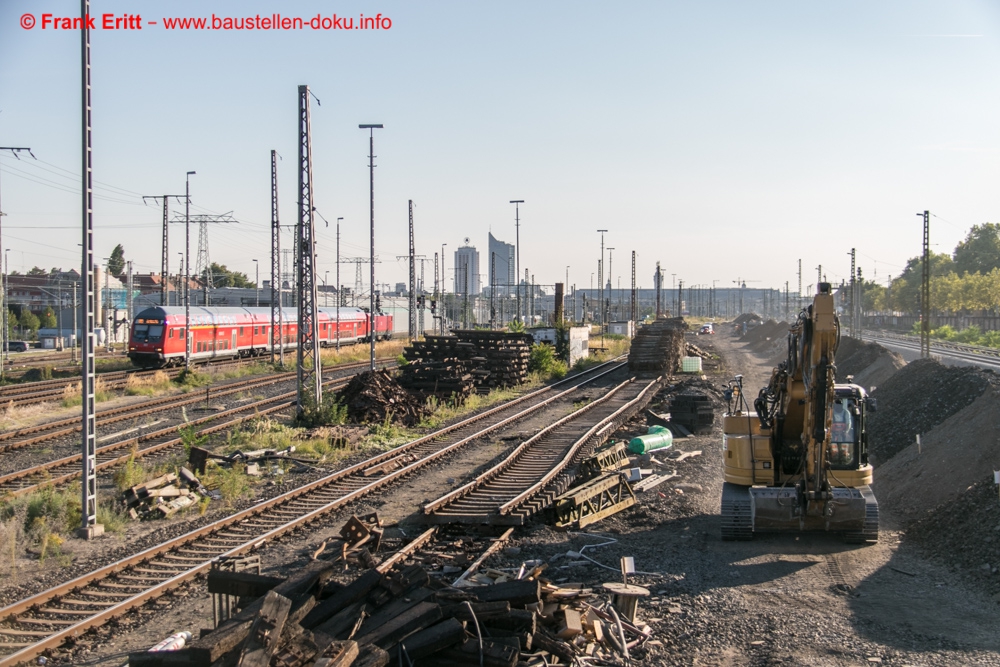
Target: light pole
326	290
180	277
187	269
566	297
371	127
6	332
600	279
444	292
517	252
256	266
611	277
339	300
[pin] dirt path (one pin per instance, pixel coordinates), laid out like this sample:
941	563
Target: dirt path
800	600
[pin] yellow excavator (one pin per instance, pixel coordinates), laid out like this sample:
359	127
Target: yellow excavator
799	459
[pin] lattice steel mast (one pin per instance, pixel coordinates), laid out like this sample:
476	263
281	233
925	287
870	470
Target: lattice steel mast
308	359
925	291
277	340
89	527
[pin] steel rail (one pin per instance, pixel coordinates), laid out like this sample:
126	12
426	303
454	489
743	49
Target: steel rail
533	464
59	428
982	357
941	344
248	529
499	468
261	408
600	426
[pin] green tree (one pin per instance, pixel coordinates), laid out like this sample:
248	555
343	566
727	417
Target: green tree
37	271
48	319
116	263
980	251
906	287
223	277
28	321
11	322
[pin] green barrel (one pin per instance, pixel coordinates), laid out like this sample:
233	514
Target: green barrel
658	437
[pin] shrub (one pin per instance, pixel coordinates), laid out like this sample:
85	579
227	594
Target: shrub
544	362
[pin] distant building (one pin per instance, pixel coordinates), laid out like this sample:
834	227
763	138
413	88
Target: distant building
467	270
503	267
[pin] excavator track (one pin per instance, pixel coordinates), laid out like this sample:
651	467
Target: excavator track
869	531
737	518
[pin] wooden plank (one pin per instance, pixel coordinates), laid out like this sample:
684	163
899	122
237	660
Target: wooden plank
241	584
518	593
433	639
232	633
417	618
348	595
338	654
262	640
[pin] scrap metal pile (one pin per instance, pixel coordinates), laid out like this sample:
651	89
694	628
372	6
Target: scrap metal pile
466	361
658	346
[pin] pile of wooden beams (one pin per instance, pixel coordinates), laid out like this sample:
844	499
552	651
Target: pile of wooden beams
467	361
658	346
160	497
404	612
694	411
375	396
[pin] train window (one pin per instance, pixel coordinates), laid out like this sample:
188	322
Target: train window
140	334
155	332
255	332
170	334
241	331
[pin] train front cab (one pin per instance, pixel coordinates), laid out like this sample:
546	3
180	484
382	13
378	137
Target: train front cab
145	346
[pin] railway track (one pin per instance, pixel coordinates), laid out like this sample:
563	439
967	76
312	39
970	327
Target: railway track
53	390
539	469
161	443
984	357
32	435
44	621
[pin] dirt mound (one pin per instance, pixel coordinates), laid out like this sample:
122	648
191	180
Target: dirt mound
869	363
747	317
956	454
847	347
944	494
373	397
763	332
918	397
971	522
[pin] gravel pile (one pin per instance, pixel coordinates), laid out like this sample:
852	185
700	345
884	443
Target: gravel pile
870	363
748	318
965	533
917	398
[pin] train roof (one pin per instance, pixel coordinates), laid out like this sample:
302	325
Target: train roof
288	313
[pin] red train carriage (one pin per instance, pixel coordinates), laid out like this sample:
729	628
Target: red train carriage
158	333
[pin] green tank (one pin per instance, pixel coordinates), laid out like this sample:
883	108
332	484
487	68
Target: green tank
658	437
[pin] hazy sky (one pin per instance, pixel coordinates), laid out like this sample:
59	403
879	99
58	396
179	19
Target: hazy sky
724	139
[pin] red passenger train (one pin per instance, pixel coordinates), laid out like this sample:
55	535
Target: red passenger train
157	337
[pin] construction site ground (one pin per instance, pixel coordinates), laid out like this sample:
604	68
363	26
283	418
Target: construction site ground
784	599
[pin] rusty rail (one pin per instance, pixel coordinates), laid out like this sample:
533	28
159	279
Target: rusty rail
164	566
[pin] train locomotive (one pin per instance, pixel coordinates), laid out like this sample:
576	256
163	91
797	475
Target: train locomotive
157	338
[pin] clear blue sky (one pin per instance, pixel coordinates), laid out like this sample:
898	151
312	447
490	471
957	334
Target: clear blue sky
724	139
